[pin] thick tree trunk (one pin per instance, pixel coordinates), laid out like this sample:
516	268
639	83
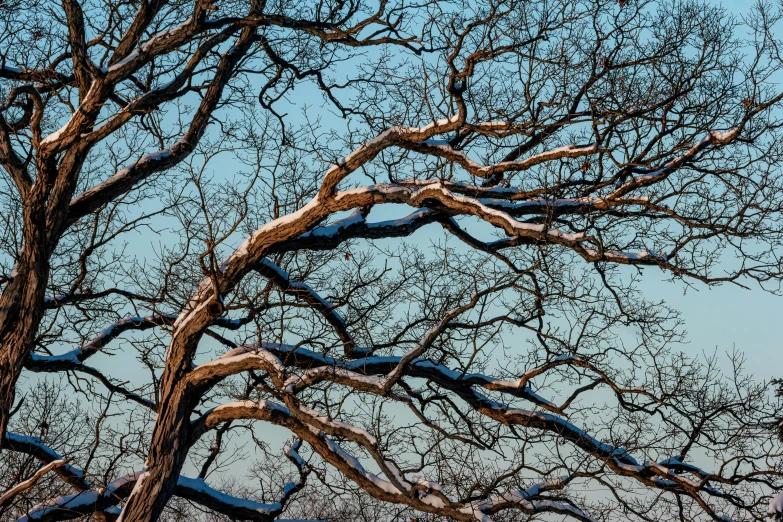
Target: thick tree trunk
22	300
168	450
169	445
21	310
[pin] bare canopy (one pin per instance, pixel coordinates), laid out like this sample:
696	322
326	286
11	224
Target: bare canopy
408	238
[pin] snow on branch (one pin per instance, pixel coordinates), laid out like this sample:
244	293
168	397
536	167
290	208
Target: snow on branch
649	177
357	373
775	507
46	455
443	149
417	492
196	490
302	291
111	332
531	500
30	482
362	374
329	236
124	179
393	135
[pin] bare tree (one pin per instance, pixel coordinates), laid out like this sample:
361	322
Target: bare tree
211	191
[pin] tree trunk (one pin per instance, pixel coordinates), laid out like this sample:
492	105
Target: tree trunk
21	310
169	445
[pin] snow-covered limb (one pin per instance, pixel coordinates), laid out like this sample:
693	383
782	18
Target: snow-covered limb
417	492
518	201
568	204
775	507
299	225
30	482
330	236
160	42
66	507
74	360
73	506
236	361
530	500
462	204
196	490
519	232
46	455
393	135
497	212
650	177
141	168
357	217
617	459
123	63
626	258
367	372
303	291
9	71
293	455
443	149
359	373
108	334
259	410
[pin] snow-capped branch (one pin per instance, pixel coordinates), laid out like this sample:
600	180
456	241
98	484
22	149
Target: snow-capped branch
46	455
359	373
330	236
416	492
30	482
443	149
362	374
108	334
531	500
304	292
69	507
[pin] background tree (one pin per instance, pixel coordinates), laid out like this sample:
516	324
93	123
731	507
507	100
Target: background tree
210	195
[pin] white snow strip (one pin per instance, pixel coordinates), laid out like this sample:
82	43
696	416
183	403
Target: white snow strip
776	504
354	463
323	419
149	43
332	229
75	501
198	485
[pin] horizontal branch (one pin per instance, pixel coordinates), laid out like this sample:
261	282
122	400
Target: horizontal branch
359	375
16	489
419	493
70	507
300	290
36	448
